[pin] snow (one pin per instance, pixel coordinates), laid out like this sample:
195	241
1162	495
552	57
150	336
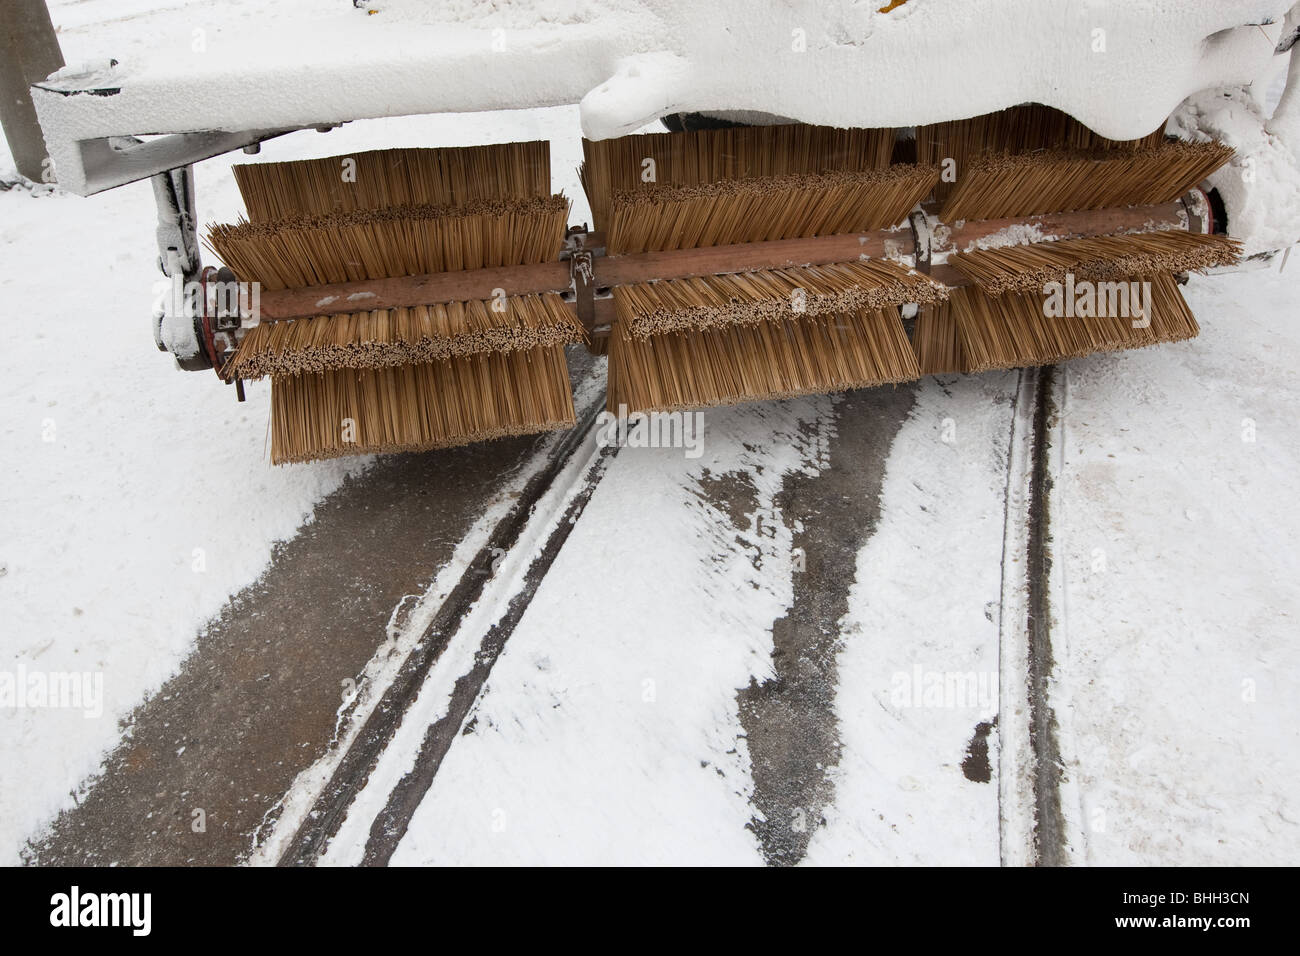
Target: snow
1260	187
609	731
917	674
669	53
136	499
1016	235
229	66
1173	526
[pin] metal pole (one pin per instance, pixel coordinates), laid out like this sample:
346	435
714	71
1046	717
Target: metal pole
29	51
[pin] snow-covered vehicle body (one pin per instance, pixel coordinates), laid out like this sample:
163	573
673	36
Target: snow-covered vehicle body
1122	68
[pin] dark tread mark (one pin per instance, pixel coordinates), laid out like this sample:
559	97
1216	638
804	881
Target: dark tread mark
390	826
257	699
1049	822
361	757
789	720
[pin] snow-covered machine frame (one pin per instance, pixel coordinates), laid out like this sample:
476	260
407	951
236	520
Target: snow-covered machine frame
1119	68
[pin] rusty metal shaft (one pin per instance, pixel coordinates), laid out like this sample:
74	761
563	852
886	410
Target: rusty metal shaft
923	245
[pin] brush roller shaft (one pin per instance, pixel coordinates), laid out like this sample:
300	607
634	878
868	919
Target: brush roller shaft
610	271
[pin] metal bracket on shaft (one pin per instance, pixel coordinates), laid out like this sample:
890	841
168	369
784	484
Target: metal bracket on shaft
582	276
175	329
173	192
922	236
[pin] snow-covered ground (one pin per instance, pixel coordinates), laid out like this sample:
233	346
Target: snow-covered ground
1178	550
919	669
137	499
609	732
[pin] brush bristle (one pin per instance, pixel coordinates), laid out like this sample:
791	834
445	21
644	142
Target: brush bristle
1012	330
797	205
381	178
419	407
418	335
408	379
936	341
1029	184
768	360
747	298
716	339
709	156
304	251
1094	258
1025	128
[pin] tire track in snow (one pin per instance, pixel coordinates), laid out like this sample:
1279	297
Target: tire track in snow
918	662
354	769
790	718
608	730
390	825
1031	821
1049	825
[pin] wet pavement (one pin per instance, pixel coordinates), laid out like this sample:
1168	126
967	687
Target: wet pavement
257	702
211	754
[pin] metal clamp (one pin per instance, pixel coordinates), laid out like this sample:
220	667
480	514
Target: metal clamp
582	276
922	238
178	327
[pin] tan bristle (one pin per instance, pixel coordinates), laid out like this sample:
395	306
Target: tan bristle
1027	184
378	179
418	335
746	298
1025	128
710	156
768	360
936	342
406	240
1012	330
1094	258
794	206
1171	318
419	407
407	379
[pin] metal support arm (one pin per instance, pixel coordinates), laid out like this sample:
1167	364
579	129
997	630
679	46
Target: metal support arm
176	327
